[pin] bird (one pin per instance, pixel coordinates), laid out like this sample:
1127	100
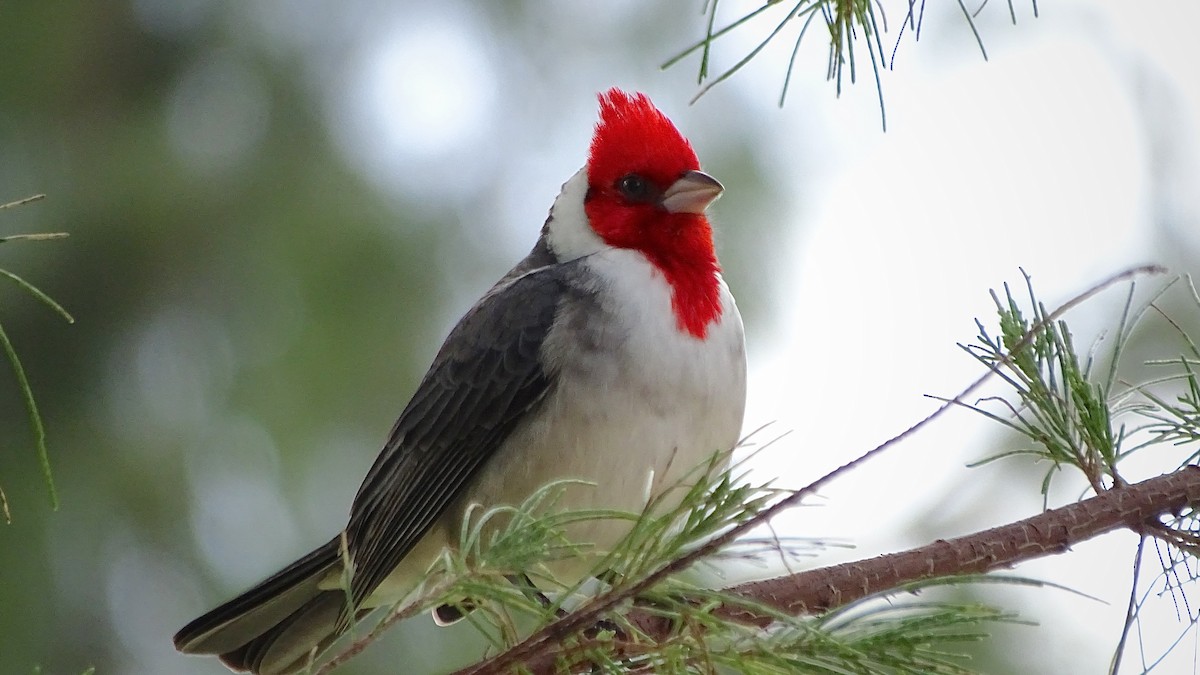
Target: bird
613	353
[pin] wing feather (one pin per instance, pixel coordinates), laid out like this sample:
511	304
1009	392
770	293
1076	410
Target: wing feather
485	379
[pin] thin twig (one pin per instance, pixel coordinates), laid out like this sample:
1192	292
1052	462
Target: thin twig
1131	610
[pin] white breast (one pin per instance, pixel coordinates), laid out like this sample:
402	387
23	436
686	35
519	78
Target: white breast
638	403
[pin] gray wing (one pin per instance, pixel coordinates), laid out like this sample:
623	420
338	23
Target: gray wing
485	378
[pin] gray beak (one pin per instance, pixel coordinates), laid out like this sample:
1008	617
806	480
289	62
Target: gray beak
692	193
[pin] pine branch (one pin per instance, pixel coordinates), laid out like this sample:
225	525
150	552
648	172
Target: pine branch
816	591
1048	533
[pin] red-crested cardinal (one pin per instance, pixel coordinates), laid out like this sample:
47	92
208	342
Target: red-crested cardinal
613	354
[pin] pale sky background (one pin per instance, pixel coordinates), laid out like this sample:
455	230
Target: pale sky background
1039	158
884	246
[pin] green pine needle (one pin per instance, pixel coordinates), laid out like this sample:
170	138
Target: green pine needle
846	21
35	418
35	421
1057	406
878	634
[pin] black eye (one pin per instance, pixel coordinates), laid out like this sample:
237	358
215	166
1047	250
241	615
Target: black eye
635	188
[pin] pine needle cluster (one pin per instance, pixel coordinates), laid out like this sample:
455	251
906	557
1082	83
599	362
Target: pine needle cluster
677	624
35	418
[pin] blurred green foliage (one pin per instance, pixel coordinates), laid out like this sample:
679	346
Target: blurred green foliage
83	96
254	305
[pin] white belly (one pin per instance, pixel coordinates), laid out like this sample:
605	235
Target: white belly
636	406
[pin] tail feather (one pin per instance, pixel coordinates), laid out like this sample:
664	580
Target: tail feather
273	627
291	645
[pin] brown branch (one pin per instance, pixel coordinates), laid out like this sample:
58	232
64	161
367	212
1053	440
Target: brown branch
815	591
1048	533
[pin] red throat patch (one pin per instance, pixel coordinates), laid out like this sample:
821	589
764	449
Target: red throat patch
636	155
